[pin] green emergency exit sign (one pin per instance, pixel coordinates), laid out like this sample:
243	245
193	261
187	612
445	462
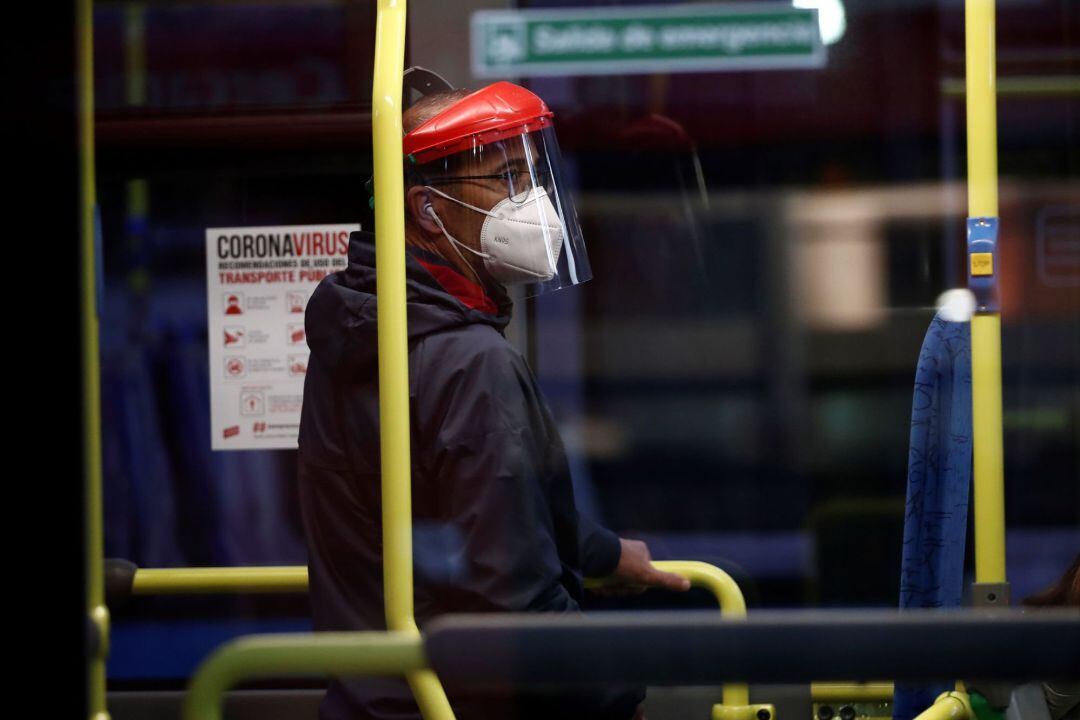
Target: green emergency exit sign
645	39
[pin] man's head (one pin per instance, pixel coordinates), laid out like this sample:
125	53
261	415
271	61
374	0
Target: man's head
480	187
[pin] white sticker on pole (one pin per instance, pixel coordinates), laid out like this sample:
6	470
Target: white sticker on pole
258	281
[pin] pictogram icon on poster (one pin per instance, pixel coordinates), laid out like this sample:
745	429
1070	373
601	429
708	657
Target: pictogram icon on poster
296	334
298	365
235	367
234	336
233	303
296	302
258	428
252	403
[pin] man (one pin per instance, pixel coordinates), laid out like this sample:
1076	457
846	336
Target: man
497	529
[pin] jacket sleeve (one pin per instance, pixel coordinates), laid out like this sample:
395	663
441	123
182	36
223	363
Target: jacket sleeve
489	490
600	548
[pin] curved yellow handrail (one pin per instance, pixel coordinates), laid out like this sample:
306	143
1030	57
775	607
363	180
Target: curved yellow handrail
386	653
212	580
374	653
711	578
732	605
736	696
294	578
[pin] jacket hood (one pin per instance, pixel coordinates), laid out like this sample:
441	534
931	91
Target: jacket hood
340	321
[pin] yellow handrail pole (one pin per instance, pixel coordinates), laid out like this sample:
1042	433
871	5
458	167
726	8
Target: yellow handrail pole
95	550
135	95
989	460
294	578
393	343
392	337
989	481
732	604
981	108
214	580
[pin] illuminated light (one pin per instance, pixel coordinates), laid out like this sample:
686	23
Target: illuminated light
957	305
832	20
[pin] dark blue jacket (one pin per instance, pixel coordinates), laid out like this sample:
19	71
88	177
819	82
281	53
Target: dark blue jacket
496	529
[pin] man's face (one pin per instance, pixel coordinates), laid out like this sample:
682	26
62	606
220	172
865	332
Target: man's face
488	176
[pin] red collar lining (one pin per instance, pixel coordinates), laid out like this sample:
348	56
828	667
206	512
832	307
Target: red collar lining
469	293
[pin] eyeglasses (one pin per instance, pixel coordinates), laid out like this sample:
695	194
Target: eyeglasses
518	182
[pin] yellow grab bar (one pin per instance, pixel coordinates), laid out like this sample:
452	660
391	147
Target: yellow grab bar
711	578
989	474
362	653
294	578
736	696
393	344
986	420
392	332
732	604
281	579
212	580
980	83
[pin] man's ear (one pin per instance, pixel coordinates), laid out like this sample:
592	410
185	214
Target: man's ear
418	204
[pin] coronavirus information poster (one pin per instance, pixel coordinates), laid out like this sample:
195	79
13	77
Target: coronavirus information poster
258	281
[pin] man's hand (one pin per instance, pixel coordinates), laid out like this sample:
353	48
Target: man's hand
635	569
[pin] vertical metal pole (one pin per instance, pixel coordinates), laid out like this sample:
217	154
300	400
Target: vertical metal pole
393	343
983	272
979	30
97	613
135	92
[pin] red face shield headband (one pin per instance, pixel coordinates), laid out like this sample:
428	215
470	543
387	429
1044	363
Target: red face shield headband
493	113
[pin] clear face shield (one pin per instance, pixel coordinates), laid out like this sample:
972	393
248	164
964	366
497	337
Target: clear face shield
504	201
